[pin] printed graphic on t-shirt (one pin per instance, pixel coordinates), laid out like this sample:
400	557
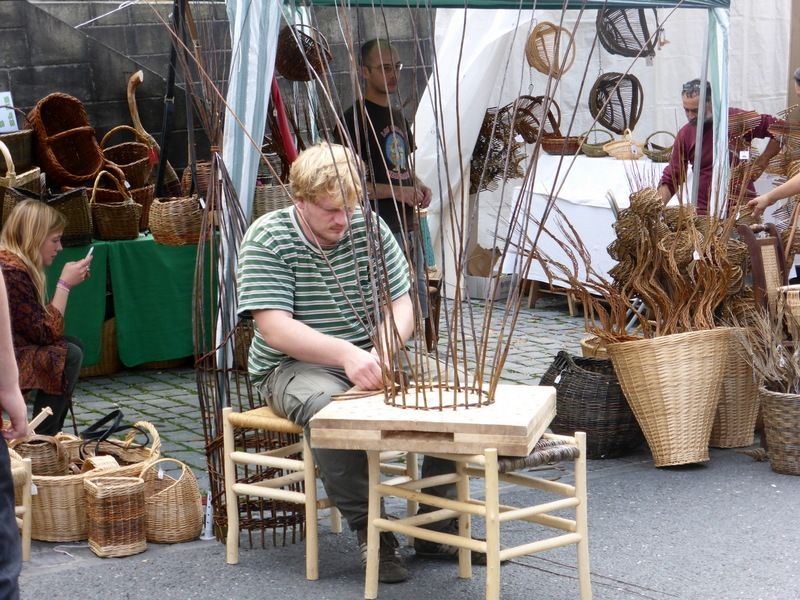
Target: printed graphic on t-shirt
395	149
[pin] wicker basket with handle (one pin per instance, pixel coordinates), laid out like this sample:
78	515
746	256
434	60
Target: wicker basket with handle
134	158
115	220
176	221
19	143
624	149
173	509
654	151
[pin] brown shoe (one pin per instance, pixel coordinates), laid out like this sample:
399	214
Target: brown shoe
391	566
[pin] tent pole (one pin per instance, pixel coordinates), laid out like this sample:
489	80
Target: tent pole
701	115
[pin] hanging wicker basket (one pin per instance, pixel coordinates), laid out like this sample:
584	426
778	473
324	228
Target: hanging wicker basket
550	49
626	32
302	52
616	101
176	221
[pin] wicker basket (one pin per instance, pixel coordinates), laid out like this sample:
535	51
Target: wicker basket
589	398
173	509
625	31
673	385
267	198
735	419
550	49
200	187
115	520
115	220
29	180
46	454
19	143
782	427
624	149
302	51
593	347
655	152
176	221
616	101
562	146
134	158
66	146
59	506
109	356
595	149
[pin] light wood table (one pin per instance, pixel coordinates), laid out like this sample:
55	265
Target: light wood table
511	426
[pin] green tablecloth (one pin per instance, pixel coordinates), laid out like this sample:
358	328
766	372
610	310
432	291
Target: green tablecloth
151	287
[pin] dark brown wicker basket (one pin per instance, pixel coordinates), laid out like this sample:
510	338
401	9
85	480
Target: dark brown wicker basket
134	158
616	101
625	31
782	428
562	146
302	51
66	146
144	196
589	398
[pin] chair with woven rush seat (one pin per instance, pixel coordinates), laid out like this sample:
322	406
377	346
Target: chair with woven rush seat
290	473
767	262
492	469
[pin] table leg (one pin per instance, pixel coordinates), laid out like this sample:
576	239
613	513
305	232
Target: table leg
373	535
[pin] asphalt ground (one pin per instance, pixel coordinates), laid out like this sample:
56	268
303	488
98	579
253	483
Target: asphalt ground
719	530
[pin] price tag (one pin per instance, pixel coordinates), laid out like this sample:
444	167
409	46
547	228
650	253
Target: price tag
695	255
34	489
744	154
160	473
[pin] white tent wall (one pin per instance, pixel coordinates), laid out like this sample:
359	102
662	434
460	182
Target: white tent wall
757	80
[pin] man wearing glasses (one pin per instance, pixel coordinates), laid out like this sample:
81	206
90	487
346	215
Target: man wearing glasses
683	150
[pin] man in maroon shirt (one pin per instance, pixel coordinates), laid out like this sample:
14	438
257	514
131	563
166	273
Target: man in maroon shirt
683	150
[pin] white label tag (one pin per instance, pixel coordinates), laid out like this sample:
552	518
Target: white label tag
160	474
744	154
696	255
34	489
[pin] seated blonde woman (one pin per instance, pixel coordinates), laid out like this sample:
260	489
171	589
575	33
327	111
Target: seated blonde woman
49	362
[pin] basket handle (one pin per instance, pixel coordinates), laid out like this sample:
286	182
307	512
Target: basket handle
138	134
183	466
42	438
585	135
10	171
121	188
647	140
150	431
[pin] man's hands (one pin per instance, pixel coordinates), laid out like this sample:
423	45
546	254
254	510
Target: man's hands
363	368
418	195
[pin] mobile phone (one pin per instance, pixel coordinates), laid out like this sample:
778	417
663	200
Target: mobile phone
89	253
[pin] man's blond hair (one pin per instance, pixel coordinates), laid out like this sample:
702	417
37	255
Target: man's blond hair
327	170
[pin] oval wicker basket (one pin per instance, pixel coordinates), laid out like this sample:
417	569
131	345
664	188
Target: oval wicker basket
176	221
624	149
655	152
134	158
562	146
173	509
302	51
595	149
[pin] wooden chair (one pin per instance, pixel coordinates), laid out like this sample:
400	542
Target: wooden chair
290	473
493	469
22	475
767	263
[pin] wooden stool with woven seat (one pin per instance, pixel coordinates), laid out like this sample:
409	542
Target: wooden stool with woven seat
280	487
492	469
22	475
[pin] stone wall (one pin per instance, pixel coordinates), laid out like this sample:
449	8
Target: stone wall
89	49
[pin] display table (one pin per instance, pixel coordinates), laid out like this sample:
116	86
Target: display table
147	287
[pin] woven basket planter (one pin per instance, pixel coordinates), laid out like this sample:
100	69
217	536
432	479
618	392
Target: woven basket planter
735	420
589	398
781	414
173	509
115	515
673	384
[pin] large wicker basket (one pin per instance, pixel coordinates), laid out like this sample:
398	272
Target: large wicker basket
735	419
673	385
589	398
302	52
782	427
59	506
66	146
173	509
176	221
267	198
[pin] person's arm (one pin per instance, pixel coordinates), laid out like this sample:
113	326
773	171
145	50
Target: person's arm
789	188
72	274
413	195
293	338
11	400
672	177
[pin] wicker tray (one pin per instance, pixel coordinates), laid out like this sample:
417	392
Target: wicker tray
589	398
115	515
595	149
173	509
673	385
655	152
782	427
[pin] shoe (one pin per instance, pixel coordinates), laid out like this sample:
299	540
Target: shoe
439	551
391	567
